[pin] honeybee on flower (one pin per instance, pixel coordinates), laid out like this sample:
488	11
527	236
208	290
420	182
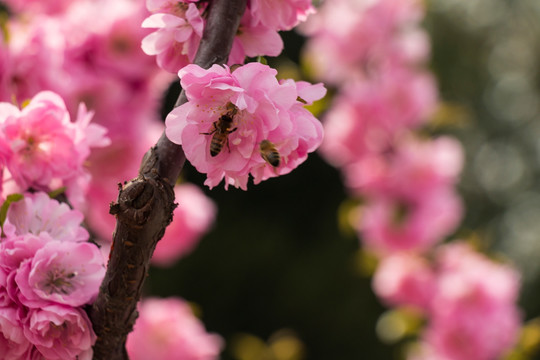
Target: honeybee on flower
265	109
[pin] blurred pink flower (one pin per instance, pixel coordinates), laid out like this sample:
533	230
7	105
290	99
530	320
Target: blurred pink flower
405	279
410	200
38	212
42	148
385	33
33	46
249	105
26	7
167	330
61	272
408	166
390	224
474	315
176	40
13	344
191	219
280	14
60	332
254	39
366	117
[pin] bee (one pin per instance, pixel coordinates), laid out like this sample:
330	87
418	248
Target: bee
221	130
269	153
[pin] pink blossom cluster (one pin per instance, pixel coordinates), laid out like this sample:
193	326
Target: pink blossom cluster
357	40
410	203
406	184
42	149
179	27
166	329
48	272
384	95
59	46
469	301
235	121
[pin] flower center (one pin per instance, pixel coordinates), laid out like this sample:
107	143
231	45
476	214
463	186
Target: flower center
59	281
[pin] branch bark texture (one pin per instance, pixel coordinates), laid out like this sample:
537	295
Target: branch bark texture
145	204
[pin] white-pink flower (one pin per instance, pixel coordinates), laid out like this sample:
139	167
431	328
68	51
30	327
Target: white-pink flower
166	329
61	272
37	213
191	219
179	31
42	148
60	332
229	114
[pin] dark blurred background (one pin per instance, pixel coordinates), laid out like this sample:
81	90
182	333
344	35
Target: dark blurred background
277	269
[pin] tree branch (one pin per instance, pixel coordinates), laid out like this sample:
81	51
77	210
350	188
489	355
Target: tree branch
145	204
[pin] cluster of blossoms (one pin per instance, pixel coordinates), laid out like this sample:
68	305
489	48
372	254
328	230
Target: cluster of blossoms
468	299
48	272
100	65
42	149
180	26
264	109
406	184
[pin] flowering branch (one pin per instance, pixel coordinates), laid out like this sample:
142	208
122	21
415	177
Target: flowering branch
145	204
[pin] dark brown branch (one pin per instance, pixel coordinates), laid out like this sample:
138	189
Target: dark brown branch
145	204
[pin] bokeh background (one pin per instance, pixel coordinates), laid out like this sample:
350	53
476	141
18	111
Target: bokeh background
280	279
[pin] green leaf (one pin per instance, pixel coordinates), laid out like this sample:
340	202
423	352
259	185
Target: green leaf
262	60
5	206
54	193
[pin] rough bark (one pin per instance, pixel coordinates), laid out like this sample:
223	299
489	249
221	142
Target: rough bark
145	204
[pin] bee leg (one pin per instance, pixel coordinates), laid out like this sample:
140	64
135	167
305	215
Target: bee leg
214	129
230	131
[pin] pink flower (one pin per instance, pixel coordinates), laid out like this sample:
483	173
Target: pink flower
385	33
281	14
367	116
41	147
410	199
192	218
228	116
254	39
13	344
33	46
405	279
390	224
15	249
38	212
61	272
167	330
177	39
474	315
427	165
60	332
